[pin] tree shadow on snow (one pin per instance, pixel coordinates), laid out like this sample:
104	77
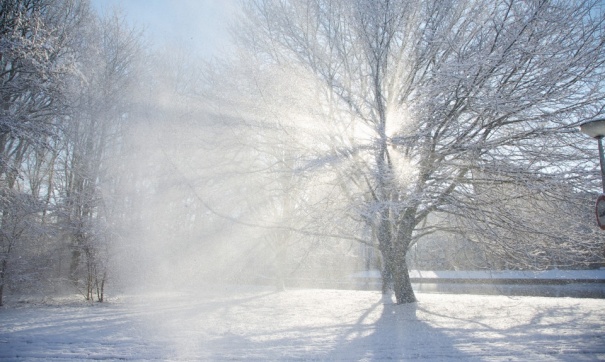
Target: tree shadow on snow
553	332
397	335
265	327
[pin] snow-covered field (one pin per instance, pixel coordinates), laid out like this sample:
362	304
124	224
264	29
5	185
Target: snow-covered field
260	324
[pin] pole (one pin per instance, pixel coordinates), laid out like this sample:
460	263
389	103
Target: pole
602	161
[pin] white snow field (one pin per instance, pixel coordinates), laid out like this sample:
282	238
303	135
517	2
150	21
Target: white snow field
260	324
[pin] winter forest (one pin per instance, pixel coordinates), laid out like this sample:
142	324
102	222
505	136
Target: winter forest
332	137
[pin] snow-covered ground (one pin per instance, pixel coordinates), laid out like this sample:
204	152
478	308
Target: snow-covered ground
260	324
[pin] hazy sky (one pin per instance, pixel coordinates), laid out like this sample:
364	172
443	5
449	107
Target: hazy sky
199	24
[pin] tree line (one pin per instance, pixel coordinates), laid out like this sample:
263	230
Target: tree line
66	75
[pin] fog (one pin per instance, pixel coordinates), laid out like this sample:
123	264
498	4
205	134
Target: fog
219	188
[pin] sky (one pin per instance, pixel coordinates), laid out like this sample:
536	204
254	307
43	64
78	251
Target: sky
200	25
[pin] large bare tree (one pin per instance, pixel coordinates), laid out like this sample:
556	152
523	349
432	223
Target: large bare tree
443	108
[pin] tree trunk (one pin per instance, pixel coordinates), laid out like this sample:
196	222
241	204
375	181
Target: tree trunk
2	279
385	246
401	278
101	287
402	284
75	262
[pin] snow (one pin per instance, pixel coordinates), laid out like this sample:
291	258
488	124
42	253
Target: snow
249	323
